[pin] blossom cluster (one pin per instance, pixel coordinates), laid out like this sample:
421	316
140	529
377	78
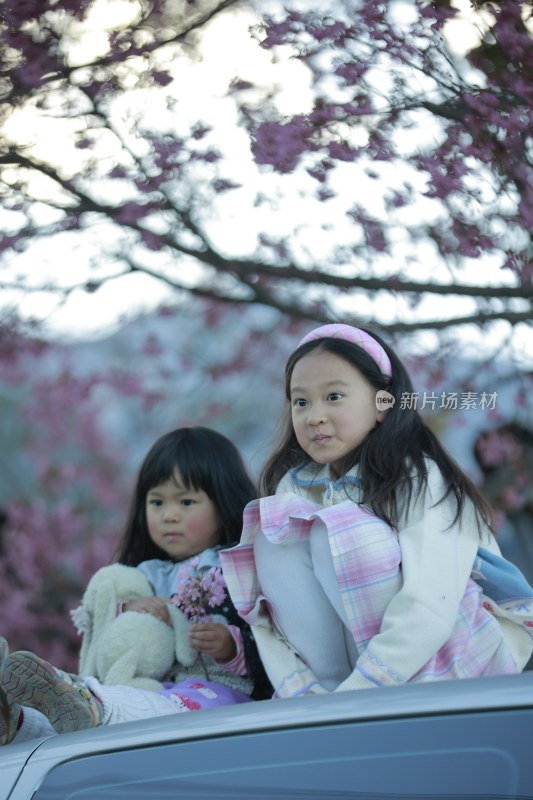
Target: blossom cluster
199	591
479	171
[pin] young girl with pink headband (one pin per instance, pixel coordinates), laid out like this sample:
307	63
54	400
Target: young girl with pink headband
371	559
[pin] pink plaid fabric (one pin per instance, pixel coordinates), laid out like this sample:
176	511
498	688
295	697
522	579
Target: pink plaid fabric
367	561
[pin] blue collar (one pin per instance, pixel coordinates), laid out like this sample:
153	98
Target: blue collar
322	480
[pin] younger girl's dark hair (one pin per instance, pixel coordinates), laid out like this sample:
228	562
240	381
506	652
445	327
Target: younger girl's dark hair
392	456
206	461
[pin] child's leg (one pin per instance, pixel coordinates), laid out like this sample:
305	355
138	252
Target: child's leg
72	703
10	718
63	698
126	703
19	724
325	574
303	610
32	725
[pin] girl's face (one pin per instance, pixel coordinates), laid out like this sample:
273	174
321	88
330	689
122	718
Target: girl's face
181	521
333	407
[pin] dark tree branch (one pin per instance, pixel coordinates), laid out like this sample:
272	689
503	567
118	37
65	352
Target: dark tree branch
249	271
266	296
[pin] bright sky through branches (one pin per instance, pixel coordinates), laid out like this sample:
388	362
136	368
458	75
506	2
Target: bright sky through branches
227	51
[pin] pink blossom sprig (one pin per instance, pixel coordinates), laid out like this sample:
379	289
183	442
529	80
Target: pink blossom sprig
197	592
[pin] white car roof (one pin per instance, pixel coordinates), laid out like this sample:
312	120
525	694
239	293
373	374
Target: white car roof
35	758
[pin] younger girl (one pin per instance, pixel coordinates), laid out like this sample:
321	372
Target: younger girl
374	563
187	506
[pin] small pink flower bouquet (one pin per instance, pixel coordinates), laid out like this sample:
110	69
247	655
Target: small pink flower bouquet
196	592
199	592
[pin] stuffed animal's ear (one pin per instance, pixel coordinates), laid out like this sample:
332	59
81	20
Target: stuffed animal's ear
185	654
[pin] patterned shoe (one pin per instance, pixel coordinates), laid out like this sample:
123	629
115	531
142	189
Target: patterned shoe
63	698
9	717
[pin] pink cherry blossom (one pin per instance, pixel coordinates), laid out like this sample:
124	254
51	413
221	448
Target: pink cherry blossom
197	592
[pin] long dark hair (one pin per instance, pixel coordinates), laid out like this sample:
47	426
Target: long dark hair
207	461
392	456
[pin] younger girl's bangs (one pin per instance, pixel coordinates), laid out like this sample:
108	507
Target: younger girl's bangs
174	458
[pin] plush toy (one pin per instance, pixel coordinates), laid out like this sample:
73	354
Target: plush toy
131	648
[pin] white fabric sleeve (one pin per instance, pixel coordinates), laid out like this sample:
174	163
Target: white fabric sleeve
437	558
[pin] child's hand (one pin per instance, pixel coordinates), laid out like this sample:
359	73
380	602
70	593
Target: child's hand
214	639
157	606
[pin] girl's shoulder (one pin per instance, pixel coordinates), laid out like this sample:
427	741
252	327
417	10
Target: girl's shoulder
431	497
422	491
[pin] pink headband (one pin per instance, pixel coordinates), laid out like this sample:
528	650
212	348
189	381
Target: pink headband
356	336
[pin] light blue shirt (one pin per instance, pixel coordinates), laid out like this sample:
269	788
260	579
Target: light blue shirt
163	575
